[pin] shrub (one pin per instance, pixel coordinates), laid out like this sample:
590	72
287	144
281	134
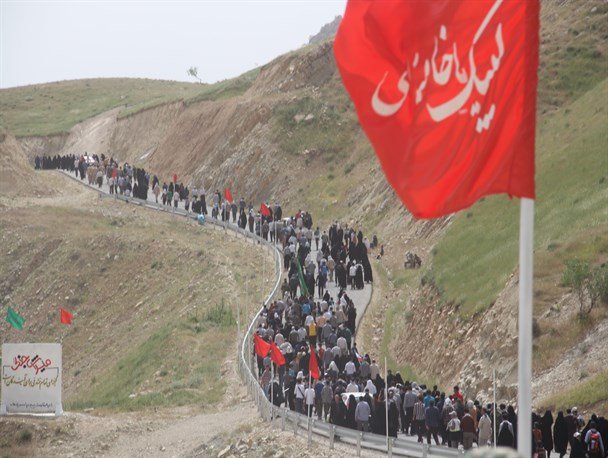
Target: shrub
25	436
590	285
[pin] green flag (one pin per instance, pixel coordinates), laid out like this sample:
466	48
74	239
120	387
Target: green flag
14	319
303	287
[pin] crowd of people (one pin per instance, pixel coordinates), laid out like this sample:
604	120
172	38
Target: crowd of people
349	389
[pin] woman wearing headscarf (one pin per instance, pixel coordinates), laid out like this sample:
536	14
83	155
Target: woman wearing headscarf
379	417
506	432
513	420
577	446
393	418
546	423
337	411
350	414
560	434
379	383
485	429
371	387
446	416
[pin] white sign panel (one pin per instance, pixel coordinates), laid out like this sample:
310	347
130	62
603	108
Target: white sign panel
31	378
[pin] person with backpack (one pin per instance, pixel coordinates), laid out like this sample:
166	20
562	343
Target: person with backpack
593	440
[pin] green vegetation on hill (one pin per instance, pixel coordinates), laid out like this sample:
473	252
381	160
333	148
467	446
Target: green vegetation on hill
574	44
155	374
317	125
473	262
53	108
591	392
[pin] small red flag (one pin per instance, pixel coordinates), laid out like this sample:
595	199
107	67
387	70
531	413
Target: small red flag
313	365
264	210
261	346
228	195
64	316
276	355
446	93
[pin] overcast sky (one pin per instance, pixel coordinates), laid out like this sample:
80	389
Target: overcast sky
44	41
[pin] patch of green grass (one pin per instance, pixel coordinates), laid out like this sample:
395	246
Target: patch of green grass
586	393
396	314
573	51
312	124
53	108
192	375
226	89
475	258
46	109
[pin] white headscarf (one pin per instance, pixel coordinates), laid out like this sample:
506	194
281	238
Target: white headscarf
371	387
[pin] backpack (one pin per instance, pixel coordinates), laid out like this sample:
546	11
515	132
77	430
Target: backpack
594	442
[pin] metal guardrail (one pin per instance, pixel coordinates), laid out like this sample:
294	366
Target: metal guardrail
286	418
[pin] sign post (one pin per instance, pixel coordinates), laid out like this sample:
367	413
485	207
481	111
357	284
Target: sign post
31	378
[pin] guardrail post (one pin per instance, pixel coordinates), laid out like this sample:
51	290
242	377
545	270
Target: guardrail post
359	438
390	447
295	425
332	435
283	422
425	450
310	422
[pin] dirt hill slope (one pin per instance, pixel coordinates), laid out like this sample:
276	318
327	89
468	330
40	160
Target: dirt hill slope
17	176
142	286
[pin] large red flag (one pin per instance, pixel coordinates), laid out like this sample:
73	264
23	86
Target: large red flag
264	210
446	92
276	355
313	365
227	195
65	317
261	346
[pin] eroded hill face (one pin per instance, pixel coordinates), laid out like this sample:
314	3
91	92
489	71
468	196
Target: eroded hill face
292	136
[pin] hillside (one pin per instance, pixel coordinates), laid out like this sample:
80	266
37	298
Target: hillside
142	286
53	108
290	134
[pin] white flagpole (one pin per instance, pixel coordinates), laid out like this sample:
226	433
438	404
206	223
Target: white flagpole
494	405
271	390
308	413
526	264
386	400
